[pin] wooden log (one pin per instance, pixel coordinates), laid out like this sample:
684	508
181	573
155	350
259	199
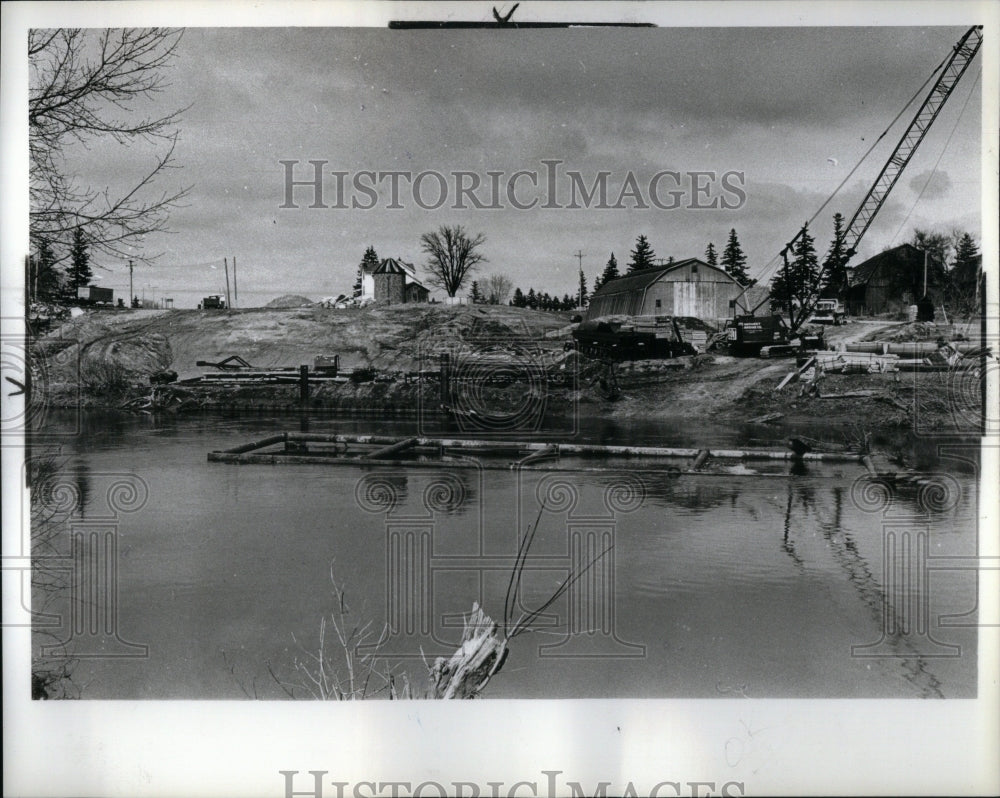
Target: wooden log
700	459
797	373
551	450
847	395
392	448
270	440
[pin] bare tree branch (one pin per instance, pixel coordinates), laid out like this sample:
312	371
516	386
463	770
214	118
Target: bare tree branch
498	289
451	256
84	86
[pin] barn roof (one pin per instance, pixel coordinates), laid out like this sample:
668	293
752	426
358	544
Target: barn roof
640	281
904	252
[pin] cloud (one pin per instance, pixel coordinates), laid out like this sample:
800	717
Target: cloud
931	184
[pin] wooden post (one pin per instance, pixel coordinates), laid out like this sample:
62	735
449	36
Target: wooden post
304	385
445	379
236	292
229	304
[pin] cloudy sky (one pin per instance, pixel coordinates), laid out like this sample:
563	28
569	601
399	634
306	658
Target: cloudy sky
792	109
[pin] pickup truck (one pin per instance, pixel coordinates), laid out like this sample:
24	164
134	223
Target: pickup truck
827	311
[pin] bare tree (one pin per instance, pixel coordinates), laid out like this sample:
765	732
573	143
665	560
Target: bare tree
85	86
451	256
498	288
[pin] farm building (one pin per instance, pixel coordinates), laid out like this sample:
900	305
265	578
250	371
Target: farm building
893	280
395	282
686	288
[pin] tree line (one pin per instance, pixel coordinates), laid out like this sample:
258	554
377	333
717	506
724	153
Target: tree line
951	256
48	280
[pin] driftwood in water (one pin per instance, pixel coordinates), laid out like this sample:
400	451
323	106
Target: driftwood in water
481	654
484	646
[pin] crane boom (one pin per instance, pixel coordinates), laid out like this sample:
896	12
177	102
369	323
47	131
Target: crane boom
961	56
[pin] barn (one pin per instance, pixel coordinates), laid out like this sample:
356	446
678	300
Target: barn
893	280
685	288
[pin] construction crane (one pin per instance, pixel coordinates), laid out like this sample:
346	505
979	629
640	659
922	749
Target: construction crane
750	333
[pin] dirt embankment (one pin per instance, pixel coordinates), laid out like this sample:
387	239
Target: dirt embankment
105	359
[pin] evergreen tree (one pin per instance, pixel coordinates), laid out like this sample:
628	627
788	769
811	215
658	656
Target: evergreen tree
802	281
45	278
711	256
642	256
369	263
80	272
532	299
964	279
519	300
582	296
734	261
835	262
475	296
545	302
568	303
965	253
610	273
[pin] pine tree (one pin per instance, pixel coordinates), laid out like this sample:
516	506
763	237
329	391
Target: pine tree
519	300
610	273
966	252
532	299
369	263
545	301
734	261
642	256
45	278
80	272
711	256
835	262
964	278
475	295
582	296
802	281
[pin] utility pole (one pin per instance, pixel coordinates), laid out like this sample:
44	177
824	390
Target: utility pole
225	262
236	292
925	272
131	296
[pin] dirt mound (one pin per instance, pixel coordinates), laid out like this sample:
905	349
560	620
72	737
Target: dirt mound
289	301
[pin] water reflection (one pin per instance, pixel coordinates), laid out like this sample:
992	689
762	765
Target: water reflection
764	581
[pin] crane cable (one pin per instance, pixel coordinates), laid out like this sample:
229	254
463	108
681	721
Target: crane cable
768	269
940	156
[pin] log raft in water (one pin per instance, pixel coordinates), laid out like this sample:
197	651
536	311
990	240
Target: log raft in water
391	445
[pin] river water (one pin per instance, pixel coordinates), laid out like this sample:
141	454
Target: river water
199	579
